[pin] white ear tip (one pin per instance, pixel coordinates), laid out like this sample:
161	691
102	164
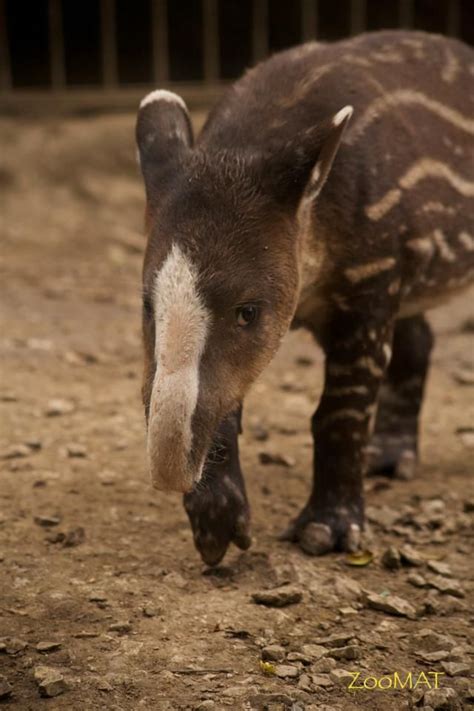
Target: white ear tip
342	115
162	95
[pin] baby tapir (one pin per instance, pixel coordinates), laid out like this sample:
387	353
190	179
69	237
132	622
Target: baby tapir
332	188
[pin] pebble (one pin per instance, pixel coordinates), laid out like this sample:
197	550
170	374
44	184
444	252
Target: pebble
430	641
273	653
464	376
275	458
437	566
443	698
47	521
120	627
391	559
6	688
334	640
349	652
286	671
58	407
12	645
409	556
207	705
324	665
456	668
417	580
76	450
340	676
150	611
280	597
50	681
391	605
346	587
322	680
445	586
74	537
16	451
47	646
313	651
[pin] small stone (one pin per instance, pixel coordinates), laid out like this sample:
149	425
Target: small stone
58	407
6	688
207	705
50	681
384	516
273	653
47	521
47	646
347	611
150	611
456	668
433	657
444	699
280	597
74	537
334	640
445	586
75	450
467	438
12	645
346	587
349	652
417	580
391	605
464	376
103	685
16	451
391	559
313	651
275	458
234	692
304	683
409	556
120	627
468	505
285	671
440	568
322	680
431	641
341	676
324	665
97	596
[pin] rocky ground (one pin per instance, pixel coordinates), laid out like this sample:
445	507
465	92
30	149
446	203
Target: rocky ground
104	603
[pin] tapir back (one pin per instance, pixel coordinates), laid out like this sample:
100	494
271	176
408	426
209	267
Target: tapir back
403	181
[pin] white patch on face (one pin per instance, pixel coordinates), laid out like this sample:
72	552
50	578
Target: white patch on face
162	95
181	326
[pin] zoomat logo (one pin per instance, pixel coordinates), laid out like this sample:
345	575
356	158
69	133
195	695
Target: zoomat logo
395	680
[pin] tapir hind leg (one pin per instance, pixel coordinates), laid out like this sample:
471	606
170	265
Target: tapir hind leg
394	446
217	507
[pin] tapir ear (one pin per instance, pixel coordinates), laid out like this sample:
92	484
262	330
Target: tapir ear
301	168
164	136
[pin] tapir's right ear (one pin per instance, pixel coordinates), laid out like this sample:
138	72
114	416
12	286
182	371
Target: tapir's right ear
164	137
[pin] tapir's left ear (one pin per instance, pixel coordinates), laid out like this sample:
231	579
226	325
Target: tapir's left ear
301	168
164	138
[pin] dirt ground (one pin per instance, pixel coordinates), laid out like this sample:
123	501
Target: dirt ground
99	579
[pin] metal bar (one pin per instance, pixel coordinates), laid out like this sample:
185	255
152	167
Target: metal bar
109	45
159	18
5	68
210	40
56	45
309	20
406	14
453	21
260	30
358	16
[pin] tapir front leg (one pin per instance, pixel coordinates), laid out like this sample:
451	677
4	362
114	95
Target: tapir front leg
357	352
217	507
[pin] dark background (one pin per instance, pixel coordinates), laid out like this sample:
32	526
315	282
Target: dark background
27	44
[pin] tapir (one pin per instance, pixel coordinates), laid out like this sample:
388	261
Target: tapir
331	188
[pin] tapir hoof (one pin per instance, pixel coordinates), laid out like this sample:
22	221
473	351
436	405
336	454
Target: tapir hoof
318	533
219	515
392	455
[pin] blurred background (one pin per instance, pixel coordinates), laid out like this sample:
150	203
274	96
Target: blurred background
103	52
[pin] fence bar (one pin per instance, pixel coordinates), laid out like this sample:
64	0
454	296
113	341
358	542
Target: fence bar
260	30
358	16
159	18
406	14
309	20
5	68
109	45
210	40
453	22
56	45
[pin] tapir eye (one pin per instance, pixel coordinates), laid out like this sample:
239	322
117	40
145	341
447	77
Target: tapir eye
246	314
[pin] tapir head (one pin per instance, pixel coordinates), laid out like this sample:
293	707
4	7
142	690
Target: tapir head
221	273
